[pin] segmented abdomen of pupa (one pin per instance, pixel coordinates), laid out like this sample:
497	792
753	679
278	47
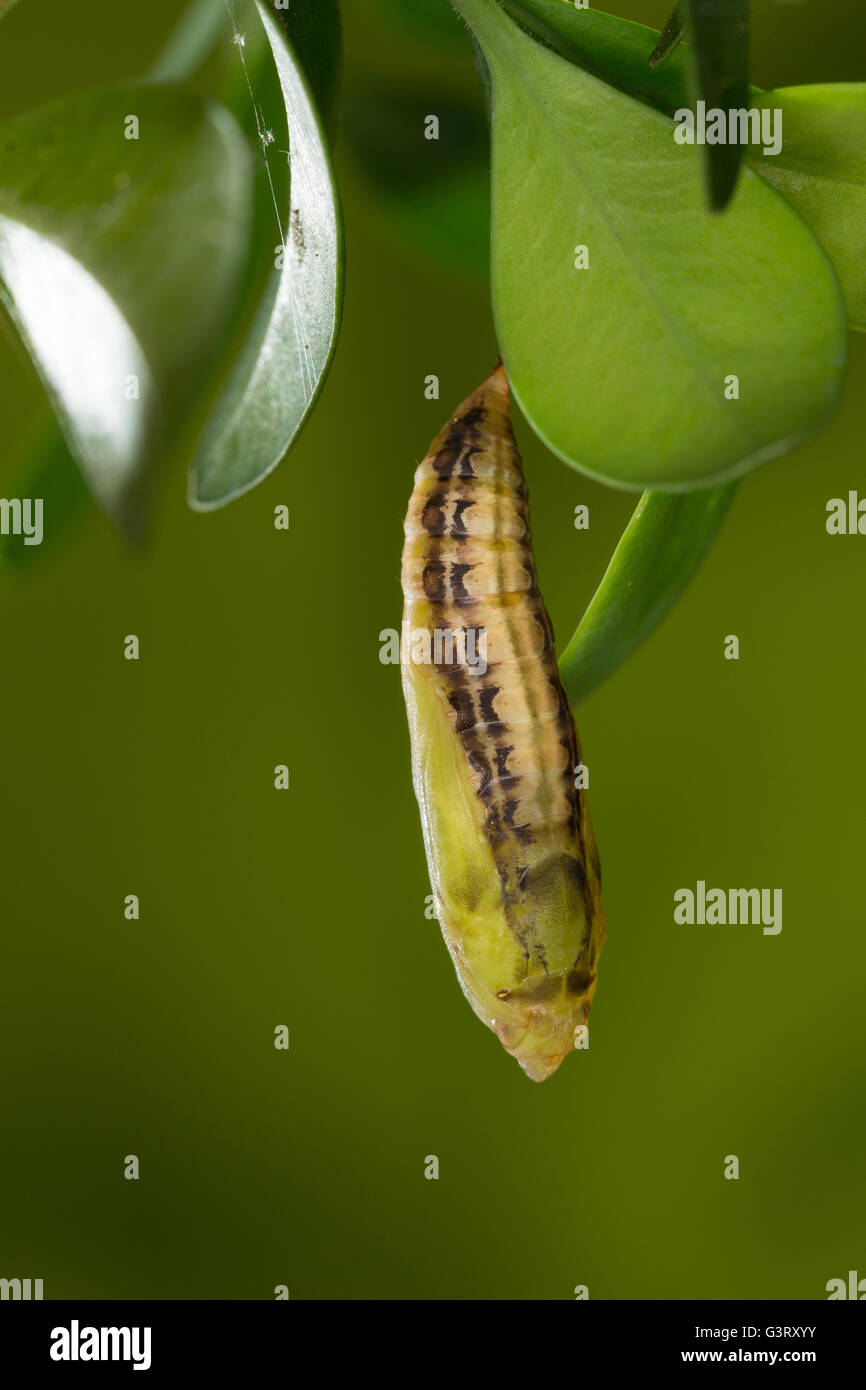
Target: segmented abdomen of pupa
468	567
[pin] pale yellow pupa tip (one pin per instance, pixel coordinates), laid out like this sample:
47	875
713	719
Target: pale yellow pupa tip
540	1038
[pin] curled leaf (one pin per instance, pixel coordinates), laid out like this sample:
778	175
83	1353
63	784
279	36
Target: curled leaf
273	387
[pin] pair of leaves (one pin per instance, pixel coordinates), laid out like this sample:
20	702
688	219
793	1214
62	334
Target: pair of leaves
625	368
821	169
122	258
749	294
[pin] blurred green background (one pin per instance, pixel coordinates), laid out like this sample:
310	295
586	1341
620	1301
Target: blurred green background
306	907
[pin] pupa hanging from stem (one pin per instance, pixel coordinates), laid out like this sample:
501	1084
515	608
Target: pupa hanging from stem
495	756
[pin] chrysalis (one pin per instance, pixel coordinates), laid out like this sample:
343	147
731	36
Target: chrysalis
510	849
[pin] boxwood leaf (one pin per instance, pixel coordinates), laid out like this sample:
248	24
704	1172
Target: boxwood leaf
820	169
718	36
713	67
669	37
616	50
822	172
691	347
118	263
312	28
274	385
658	554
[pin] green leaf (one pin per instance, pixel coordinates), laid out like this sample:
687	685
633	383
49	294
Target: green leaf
198	48
312	31
718	34
119	259
658	554
273	387
622	368
669	37
821	171
616	50
718	58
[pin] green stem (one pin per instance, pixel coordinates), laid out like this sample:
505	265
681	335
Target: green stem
659	552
